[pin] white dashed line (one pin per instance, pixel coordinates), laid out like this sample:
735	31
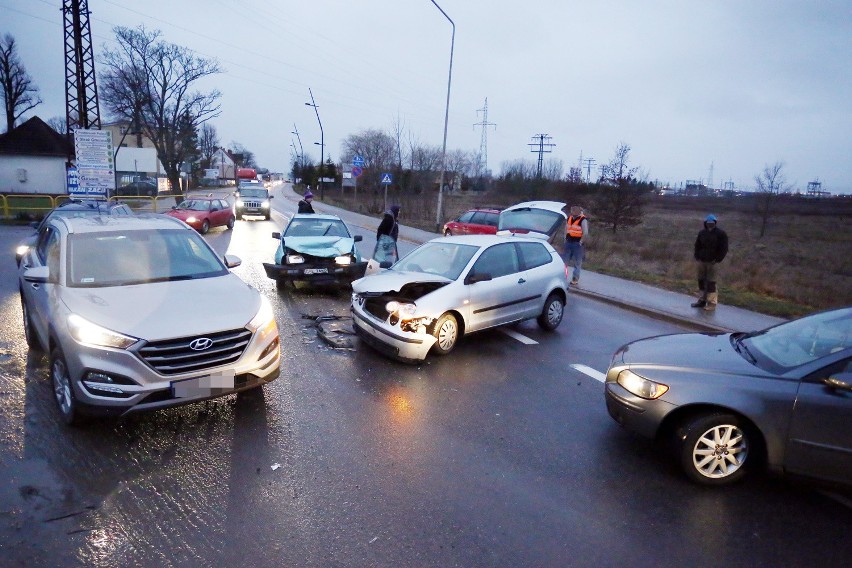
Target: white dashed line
522	338
597	375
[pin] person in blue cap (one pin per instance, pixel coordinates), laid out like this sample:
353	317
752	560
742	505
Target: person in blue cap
711	247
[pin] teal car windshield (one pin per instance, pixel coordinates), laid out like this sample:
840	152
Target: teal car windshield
135	257
443	259
316	228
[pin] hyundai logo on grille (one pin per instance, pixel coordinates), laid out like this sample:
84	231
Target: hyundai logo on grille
200	344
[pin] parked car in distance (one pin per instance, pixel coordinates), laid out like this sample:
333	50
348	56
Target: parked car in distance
781	397
72	208
454	286
539	219
480	221
139	187
251	198
140	313
204	213
316	248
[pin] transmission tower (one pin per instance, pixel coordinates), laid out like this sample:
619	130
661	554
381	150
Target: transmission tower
81	92
589	163
542	147
483	144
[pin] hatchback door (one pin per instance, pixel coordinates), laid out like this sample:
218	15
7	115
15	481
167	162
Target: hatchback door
503	298
820	440
539	269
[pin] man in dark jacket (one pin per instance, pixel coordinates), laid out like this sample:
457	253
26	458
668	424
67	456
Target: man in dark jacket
389	225
305	204
711	246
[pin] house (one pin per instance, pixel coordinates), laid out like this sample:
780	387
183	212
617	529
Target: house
135	157
33	159
225	162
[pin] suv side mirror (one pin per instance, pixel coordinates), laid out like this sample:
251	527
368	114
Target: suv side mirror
276	235
37	275
358	238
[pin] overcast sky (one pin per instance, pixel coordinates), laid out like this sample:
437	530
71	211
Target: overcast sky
694	87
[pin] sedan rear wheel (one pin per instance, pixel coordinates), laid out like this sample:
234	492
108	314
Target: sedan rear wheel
551	314
63	392
446	331
714	449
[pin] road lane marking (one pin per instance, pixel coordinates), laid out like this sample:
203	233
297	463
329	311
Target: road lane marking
522	338
597	375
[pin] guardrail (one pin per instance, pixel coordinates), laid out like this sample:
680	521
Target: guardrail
35	206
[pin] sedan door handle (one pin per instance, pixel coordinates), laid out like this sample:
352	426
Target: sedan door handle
521	281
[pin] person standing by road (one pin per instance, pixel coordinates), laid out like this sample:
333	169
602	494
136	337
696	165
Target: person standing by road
389	225
711	246
577	232
305	204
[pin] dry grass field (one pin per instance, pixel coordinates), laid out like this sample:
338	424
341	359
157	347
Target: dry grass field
802	264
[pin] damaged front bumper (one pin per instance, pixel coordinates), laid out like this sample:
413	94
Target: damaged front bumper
389	339
316	273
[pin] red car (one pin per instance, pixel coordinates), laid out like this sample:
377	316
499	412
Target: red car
481	221
201	213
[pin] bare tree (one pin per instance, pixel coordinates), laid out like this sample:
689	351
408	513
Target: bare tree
208	143
247	159
19	92
620	199
59	124
770	184
153	78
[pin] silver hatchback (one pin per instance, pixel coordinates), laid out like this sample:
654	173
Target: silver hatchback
452	286
139	313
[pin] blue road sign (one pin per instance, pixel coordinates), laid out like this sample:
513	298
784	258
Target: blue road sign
358	161
387	179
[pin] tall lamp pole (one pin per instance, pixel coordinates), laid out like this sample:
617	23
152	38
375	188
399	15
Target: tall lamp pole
439	215
296	132
322	140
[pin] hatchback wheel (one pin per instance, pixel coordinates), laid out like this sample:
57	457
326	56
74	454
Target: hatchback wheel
63	392
205	226
714	449
551	314
446	331
231	221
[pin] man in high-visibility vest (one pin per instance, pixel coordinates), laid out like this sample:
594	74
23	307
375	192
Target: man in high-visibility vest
575	239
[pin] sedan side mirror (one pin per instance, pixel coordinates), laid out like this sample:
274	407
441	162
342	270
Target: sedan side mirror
232	261
385	264
276	235
358	238
841	381
474	278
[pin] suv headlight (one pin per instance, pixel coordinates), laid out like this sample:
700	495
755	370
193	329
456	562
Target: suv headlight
263	323
239	203
265	205
85	332
640	386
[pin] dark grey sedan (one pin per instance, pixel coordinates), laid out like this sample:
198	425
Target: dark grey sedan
781	397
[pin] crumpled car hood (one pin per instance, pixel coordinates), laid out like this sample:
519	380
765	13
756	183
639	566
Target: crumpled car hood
320	246
393	281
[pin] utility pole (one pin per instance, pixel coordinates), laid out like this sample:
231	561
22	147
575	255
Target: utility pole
81	92
589	163
542	147
313	103
301	148
483	144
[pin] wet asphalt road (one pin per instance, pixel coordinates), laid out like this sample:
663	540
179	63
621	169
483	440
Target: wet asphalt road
500	454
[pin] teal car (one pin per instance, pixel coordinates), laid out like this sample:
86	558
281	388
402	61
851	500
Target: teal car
318	249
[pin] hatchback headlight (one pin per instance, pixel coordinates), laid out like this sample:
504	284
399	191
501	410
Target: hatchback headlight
85	332
403	311
295	259
22	250
343	259
191	219
640	386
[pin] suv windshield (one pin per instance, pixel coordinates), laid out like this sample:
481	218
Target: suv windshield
136	257
443	259
253	192
538	220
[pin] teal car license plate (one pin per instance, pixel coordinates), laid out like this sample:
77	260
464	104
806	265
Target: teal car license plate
316	271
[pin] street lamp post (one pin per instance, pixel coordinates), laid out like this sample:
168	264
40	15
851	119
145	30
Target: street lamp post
322	140
296	132
438	215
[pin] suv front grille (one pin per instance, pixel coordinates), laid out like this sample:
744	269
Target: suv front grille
174	356
252	204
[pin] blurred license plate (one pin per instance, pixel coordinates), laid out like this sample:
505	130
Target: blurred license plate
316	271
208	385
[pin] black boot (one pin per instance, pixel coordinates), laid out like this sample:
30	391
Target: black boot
699	304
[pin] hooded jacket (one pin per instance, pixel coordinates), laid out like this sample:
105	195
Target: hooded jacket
711	245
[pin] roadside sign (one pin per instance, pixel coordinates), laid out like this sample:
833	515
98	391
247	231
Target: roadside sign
357	171
72	181
358	162
387	179
95	166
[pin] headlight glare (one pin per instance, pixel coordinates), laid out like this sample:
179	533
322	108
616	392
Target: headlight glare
85	332
265	205
640	386
239	203
343	259
191	219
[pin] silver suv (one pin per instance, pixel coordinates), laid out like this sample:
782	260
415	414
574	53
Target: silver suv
140	313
